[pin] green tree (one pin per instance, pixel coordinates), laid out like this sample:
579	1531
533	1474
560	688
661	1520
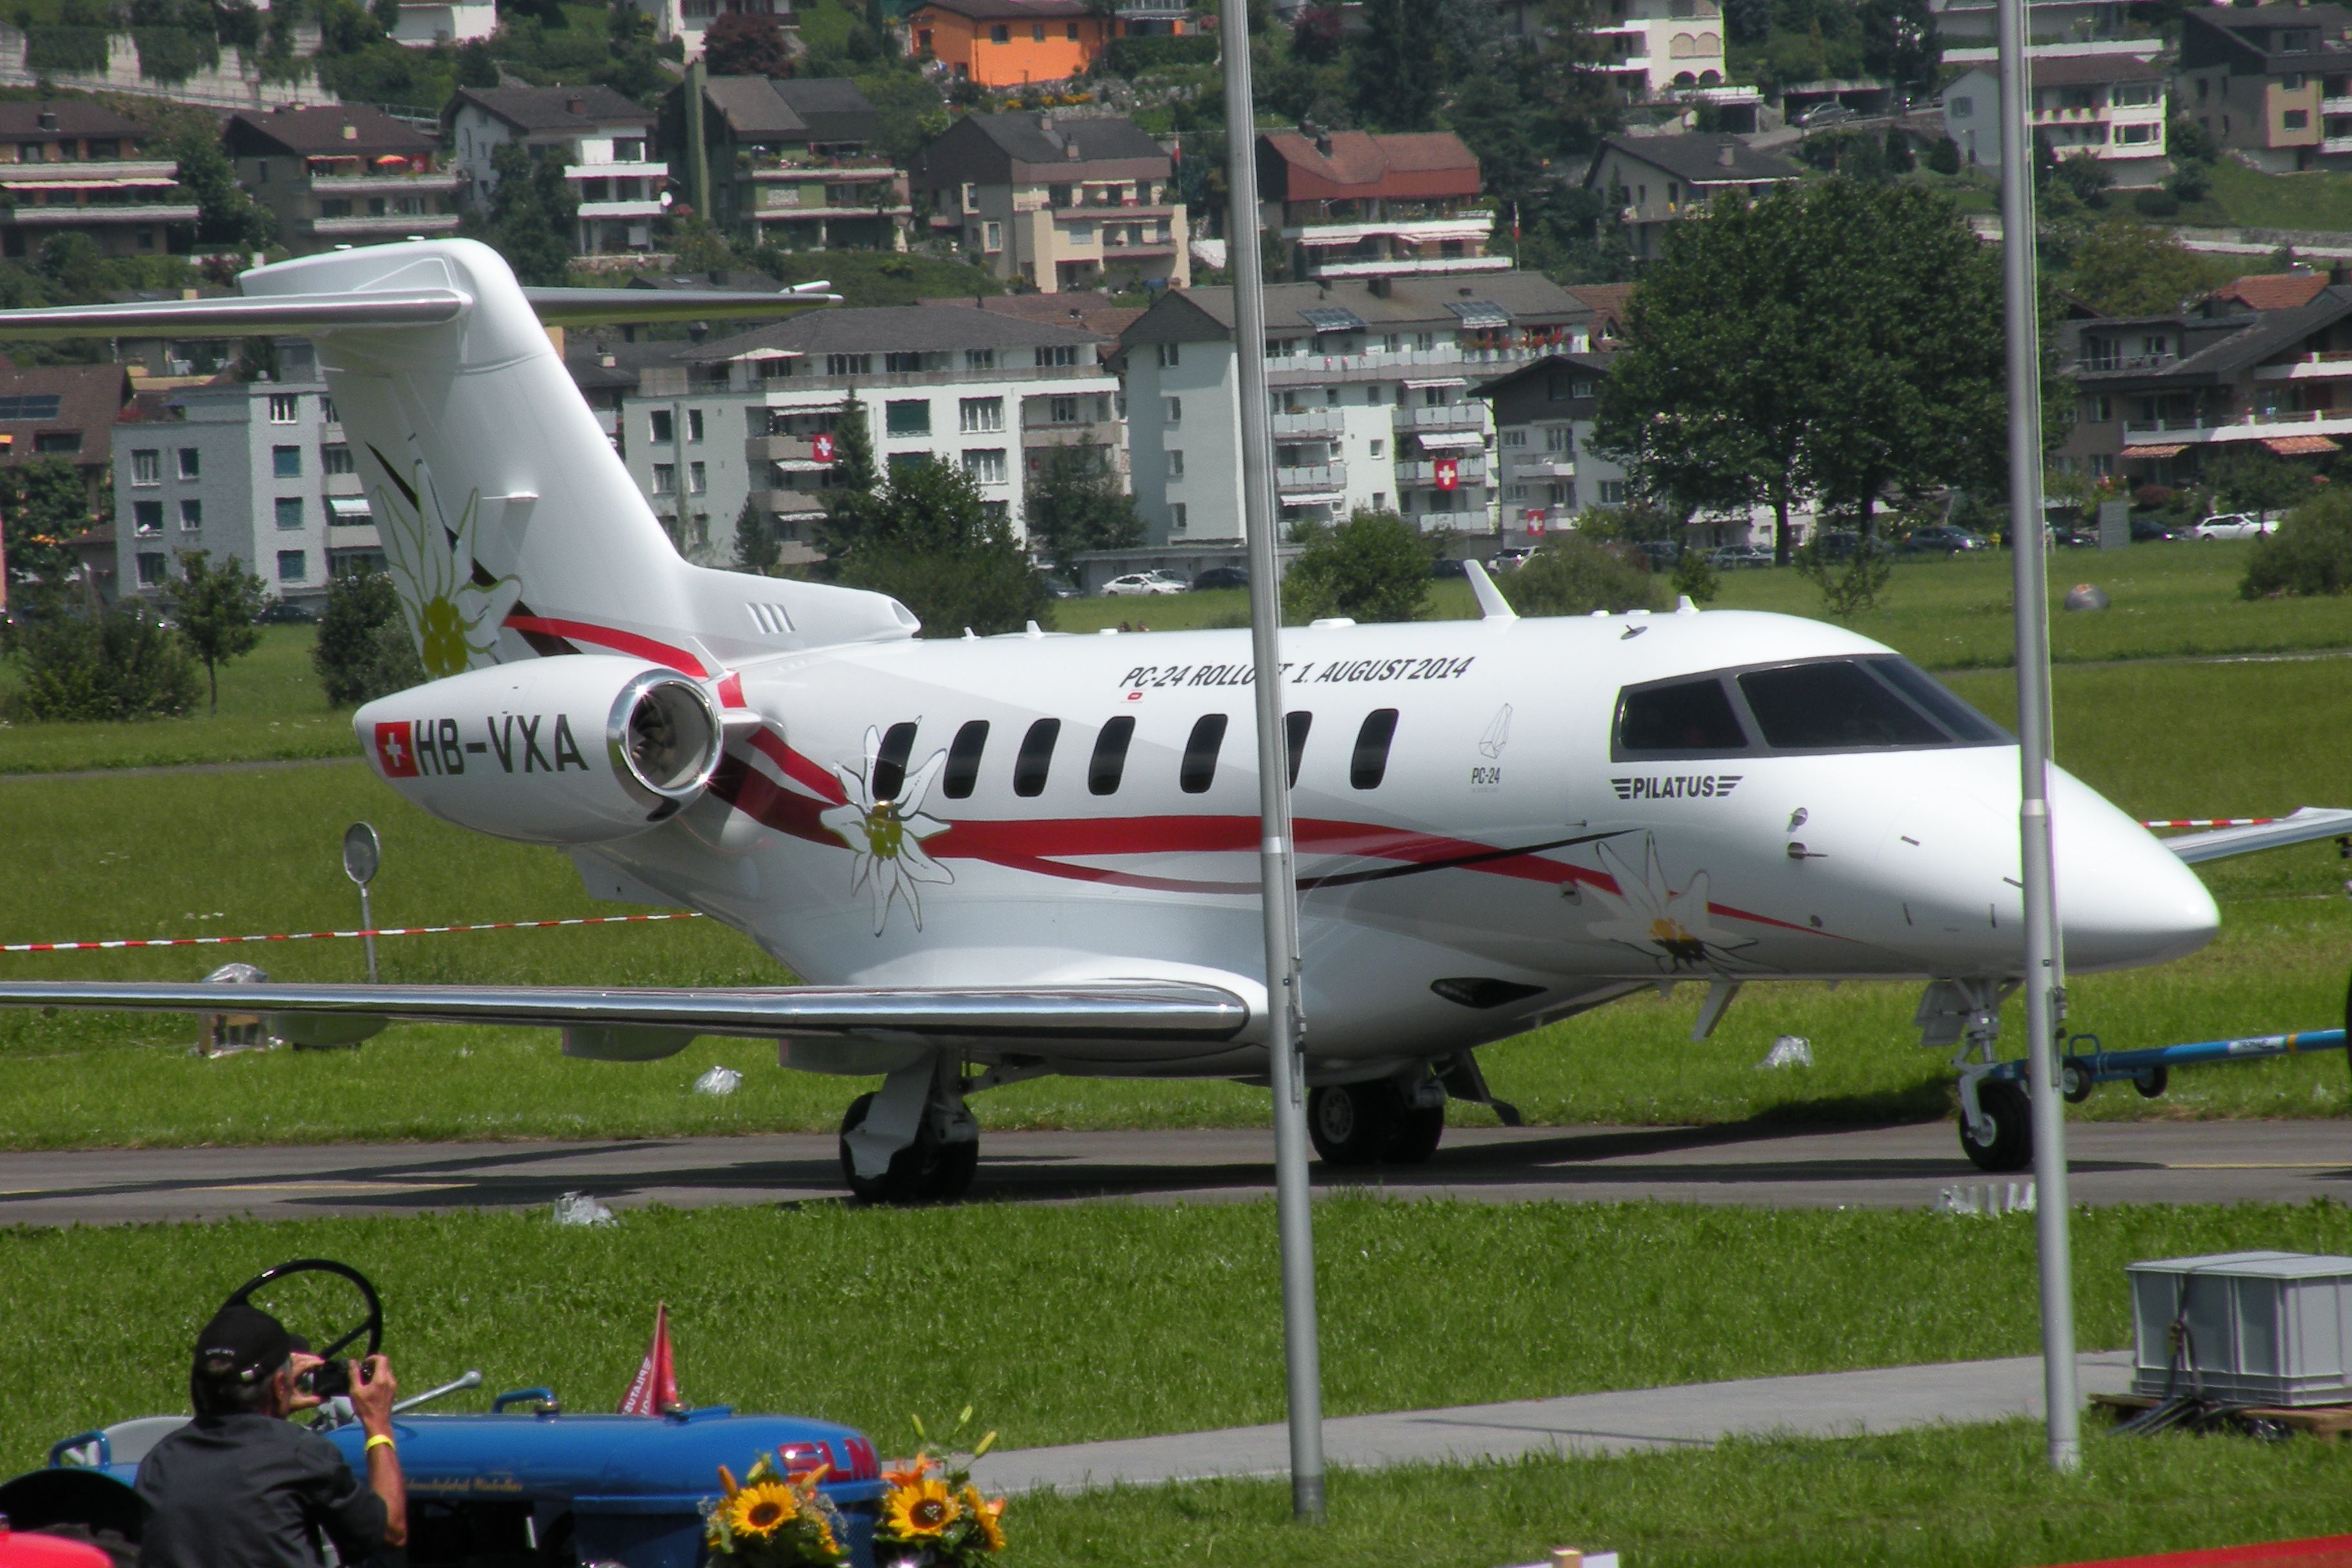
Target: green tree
1576	573
1373	567
2257	481
928	540
2310	553
219	610
757	549
745	43
225	213
44	505
532	214
1077	504
2128	268
79	662
364	649
1392	83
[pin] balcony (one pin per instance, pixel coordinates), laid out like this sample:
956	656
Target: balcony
341	484
2306	367
1445	417
780	449
1077	433
64	214
621	209
1549	465
1307	425
2114	364
1468	471
1412	267
788	503
1317	478
108	174
396	225
2250	427
384	185
2335	144
616	170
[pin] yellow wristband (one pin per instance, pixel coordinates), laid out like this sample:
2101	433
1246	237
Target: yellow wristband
370	1446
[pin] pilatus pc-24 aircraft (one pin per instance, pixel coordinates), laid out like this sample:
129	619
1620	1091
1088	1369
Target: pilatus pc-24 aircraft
997	858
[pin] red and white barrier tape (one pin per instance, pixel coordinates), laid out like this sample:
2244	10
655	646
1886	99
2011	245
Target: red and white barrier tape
320	935
2215	822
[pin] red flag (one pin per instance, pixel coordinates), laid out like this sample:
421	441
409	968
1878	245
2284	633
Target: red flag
1448	473
394	751
654	1388
821	448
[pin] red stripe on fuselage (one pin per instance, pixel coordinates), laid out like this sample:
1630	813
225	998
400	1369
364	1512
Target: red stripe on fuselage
607	637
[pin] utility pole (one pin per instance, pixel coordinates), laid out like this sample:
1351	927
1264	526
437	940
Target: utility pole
2044	989
697	155
1285	1022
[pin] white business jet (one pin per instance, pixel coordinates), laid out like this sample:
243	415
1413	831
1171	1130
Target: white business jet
997	858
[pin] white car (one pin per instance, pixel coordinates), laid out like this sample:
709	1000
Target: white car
1136	584
2232	525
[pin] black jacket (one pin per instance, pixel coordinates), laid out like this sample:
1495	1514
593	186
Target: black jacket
253	1491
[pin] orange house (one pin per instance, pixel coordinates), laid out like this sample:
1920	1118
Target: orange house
1005	43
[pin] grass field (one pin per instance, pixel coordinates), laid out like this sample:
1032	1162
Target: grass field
1070	1324
1968	1497
209	853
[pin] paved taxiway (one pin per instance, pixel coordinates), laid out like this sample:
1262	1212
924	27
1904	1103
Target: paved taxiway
1791	1167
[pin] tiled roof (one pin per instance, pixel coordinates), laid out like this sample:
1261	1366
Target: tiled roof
89	396
1088	310
347	130
1347	164
821	108
543	110
1408	302
1610	303
1698	157
1008	10
67	117
1099	139
2086	70
2274	290
892	329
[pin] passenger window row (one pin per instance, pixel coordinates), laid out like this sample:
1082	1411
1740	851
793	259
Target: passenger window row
1033	761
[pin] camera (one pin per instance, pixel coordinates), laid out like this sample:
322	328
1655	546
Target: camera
328	1380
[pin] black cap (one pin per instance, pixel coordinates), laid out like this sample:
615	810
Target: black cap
242	1345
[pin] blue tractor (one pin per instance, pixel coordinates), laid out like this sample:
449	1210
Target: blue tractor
529	1485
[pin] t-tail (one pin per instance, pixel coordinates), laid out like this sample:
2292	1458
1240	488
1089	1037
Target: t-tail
510	526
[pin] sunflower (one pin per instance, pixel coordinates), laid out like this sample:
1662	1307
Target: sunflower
920	1512
759	1510
989	1516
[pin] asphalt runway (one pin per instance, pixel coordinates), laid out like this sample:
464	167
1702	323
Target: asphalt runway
1765	1167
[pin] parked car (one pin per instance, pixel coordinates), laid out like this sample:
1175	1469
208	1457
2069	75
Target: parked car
2066	536
1058	587
2147	530
1140	584
1826	114
1448	566
1731	557
1509	560
1836	545
286	612
1223	578
2232	525
1660	553
1940	540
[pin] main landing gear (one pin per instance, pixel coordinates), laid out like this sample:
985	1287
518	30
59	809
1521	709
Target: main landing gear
1396	1120
914	1140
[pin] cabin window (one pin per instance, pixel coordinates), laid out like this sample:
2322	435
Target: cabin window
890	762
1833	706
1036	758
1679	718
1294	730
1370	763
963	760
1109	761
1199	767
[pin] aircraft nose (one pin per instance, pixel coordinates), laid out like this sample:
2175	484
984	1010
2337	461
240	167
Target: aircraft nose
2124	899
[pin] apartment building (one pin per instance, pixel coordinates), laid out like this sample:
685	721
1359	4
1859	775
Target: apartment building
1086	202
795	159
1974	22
1657	180
605	141
1352	204
752	417
2161	397
1652	47
2105	105
1372	409
686	21
1546	466
71	168
346	174
424	23
258	471
2273	83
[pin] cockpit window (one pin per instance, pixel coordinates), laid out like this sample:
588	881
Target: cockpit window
1840	705
1968	726
1681	718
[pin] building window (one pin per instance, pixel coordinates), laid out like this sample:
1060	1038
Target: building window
665	478
698	481
628	150
293	565
1176	517
1511	438
1168	355
151	569
1000	33
284	407
1613	492
986	466
980	415
2136	135
980	359
2295	119
191	463
1559	439
849	364
1175	408
659	425
147	517
1175	464
290	512
1036	32
58	441
1958	108
286	462
909	417
694	425
992	238
335	459
1060	411
1055	358
1082	232
902	363
192	516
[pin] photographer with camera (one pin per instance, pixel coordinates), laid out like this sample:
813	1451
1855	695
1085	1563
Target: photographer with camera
241	1486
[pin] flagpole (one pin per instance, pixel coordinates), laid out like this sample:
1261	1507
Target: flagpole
1284	1021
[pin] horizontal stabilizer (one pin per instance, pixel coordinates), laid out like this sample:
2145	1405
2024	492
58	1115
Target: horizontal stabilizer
308	315
1137	1010
2311	822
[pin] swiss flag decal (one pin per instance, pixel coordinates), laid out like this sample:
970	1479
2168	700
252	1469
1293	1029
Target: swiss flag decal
820	447
1448	472
394	754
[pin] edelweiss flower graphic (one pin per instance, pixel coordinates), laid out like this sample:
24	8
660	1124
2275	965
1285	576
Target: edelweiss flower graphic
885	836
454	618
1673	928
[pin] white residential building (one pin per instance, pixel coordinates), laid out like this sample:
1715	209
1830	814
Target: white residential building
741	419
2088	102
605	141
688	20
1370	386
424	23
1653	46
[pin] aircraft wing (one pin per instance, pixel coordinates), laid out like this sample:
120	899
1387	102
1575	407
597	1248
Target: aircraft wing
238	316
2309	823
1130	1010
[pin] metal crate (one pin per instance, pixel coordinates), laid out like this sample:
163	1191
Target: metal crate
2265	1328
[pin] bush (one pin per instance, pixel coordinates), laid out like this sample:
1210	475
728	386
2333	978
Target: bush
2157	203
111	664
1131	57
364	649
2310	553
1944	157
2148	497
1575	574
1372	567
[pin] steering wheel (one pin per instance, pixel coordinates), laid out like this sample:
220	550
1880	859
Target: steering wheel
371	1326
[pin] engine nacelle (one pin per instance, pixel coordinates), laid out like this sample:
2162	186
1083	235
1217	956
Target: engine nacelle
579	748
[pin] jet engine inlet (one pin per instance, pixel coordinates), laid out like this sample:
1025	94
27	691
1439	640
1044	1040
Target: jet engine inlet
665	739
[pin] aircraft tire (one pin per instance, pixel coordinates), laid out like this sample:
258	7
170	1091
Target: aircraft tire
926	1170
2011	1148
1419	1132
1354	1123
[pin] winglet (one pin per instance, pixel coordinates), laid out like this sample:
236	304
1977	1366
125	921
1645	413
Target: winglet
1492	605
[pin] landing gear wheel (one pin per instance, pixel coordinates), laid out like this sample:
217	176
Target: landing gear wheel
1419	1131
926	1170
1354	1123
2011	1147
